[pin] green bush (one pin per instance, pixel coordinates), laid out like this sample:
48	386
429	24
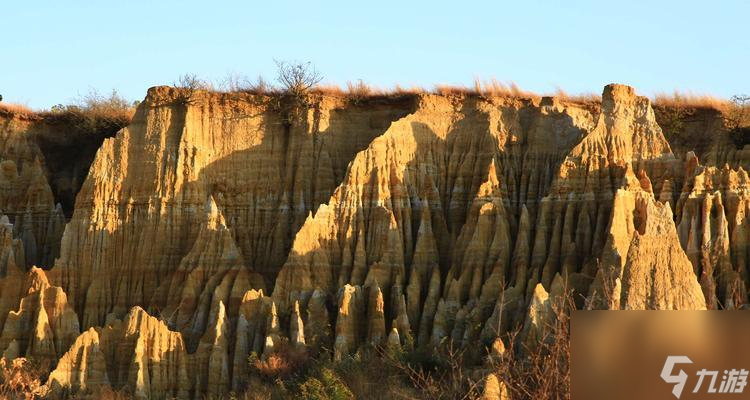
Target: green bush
326	386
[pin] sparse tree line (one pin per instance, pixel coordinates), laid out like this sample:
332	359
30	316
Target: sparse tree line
294	78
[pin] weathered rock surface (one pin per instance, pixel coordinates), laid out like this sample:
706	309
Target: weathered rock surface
45	325
25	194
218	228
139	352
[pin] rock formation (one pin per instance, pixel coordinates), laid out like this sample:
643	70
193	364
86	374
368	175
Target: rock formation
25	195
218	228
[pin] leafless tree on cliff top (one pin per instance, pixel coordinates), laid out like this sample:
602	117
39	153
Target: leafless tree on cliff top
297	78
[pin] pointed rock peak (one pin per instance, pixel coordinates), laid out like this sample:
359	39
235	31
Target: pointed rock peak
309	217
394	339
136	312
691	161
36	280
215	219
221	311
494	389
630	181
347	291
252	294
426	216
540	295
273	324
492	171
376	295
557	289
653	218
497	351
318	294
268	346
667	190
491	186
524	221
645	182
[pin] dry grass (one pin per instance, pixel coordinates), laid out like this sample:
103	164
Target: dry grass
362	90
12	108
582	98
495	88
487	88
490	88
690	100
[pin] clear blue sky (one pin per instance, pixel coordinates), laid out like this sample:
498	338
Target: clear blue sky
53	51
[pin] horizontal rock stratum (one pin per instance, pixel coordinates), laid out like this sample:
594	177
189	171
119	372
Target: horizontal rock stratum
216	226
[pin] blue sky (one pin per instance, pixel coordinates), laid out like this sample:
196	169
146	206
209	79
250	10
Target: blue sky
54	51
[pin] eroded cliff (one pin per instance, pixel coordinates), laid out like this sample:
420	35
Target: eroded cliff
216	227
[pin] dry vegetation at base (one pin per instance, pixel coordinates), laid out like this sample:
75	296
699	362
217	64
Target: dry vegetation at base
20	379
443	373
377	373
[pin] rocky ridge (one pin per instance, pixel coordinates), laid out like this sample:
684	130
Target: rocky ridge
218	226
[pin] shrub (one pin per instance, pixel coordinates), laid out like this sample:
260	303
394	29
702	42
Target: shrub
20	379
285	361
441	373
737	120
326	386
92	111
358	91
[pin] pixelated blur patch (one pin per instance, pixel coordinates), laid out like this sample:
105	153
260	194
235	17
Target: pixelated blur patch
659	354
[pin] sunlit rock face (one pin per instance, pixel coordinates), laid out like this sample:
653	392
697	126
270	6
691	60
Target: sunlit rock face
221	227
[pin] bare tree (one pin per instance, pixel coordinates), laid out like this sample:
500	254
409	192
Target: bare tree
297	78
190	83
